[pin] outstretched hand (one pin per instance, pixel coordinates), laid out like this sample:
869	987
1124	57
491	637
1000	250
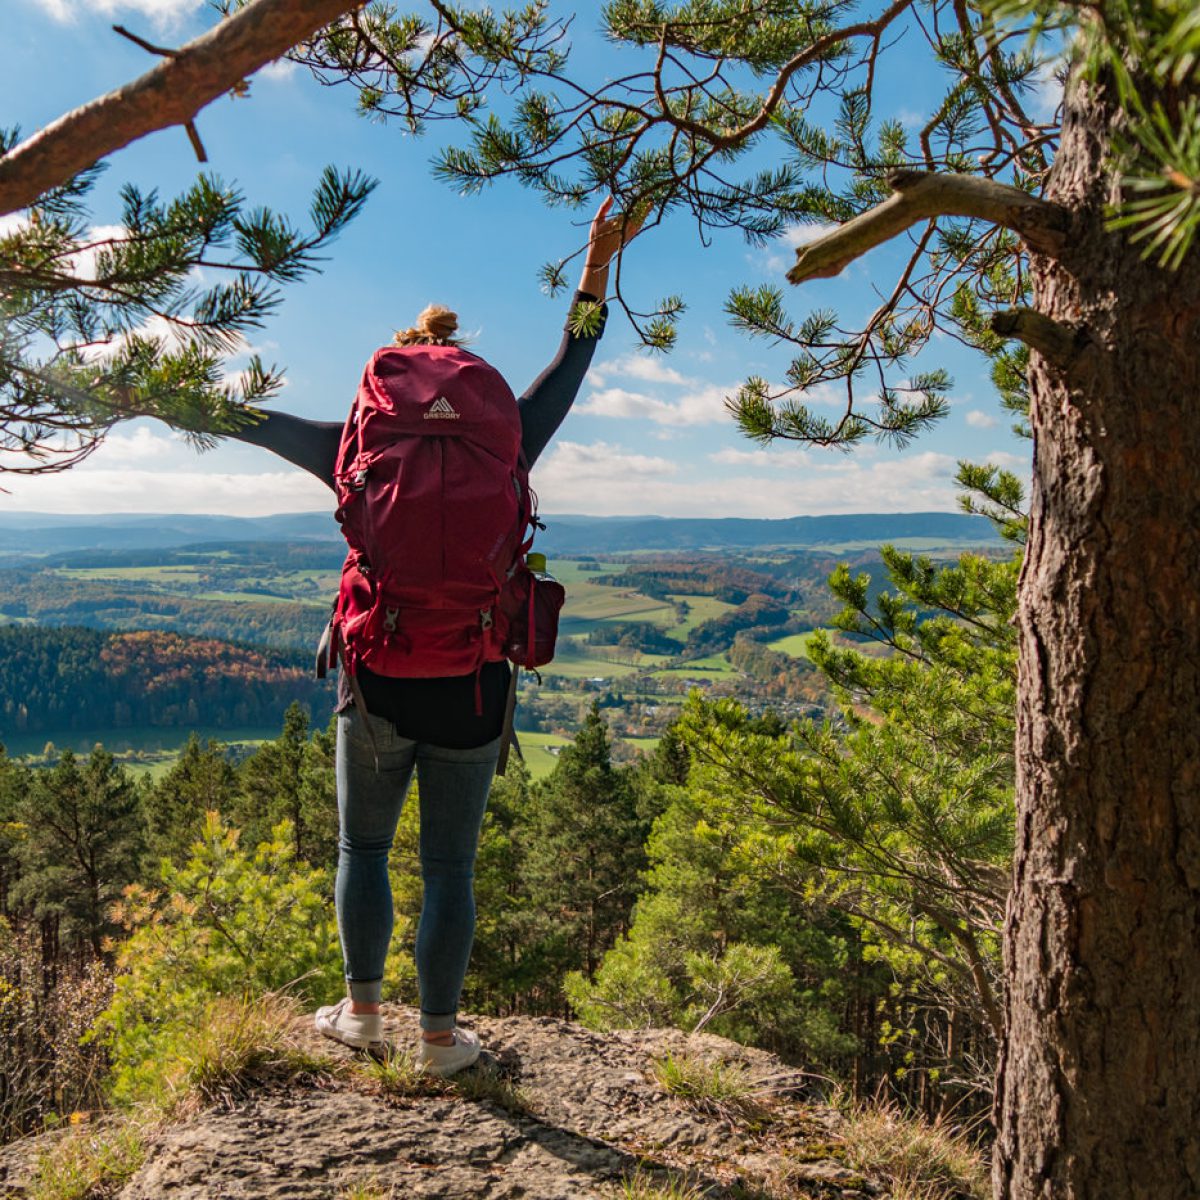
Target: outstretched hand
609	233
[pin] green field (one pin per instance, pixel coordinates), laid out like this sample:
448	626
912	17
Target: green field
700	609
795	644
570	573
644	744
255	598
165	574
121	741
587	668
592	602
714	666
536	749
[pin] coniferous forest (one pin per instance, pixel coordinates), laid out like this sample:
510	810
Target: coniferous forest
831	890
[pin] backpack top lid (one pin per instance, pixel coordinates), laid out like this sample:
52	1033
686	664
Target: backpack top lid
438	391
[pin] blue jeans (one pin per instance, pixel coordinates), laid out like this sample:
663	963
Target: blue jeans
453	787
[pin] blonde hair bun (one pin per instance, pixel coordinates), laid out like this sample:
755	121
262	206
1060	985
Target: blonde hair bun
436	325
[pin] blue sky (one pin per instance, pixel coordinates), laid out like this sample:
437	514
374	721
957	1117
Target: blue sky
648	434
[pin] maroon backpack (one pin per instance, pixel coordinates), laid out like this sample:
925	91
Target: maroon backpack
434	501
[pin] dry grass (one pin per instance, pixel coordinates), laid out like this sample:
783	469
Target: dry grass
920	1160
658	1185
240	1041
90	1162
366	1189
722	1089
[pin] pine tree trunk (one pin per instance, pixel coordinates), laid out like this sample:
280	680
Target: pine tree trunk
1098	1094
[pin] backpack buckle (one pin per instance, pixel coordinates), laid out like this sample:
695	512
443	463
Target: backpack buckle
485	618
360	480
389	619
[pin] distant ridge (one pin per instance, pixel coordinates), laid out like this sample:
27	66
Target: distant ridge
38	534
581	535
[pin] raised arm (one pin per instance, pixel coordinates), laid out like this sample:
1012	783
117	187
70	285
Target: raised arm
546	402
312	445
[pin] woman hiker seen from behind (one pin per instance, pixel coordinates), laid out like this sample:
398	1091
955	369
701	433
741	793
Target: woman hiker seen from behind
394	717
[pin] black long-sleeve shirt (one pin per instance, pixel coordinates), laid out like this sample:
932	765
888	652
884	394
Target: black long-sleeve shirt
441	711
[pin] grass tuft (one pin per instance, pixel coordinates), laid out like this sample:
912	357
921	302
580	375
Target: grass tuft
724	1089
487	1083
89	1162
919	1159
240	1041
659	1185
396	1074
366	1189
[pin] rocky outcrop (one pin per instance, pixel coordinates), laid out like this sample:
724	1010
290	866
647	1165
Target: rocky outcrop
553	1112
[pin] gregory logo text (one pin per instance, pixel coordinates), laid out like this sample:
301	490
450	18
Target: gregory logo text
441	410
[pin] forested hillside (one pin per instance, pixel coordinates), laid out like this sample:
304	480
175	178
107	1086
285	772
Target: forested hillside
829	892
63	679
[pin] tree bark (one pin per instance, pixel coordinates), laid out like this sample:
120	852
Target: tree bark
1098	1093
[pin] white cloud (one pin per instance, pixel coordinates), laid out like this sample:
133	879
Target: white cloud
776	260
648	370
163	14
140	444
83	264
617	402
11	222
279	71
108	490
635	366
777	457
745	458
704	405
1047	90
575	465
606	480
978	419
1018	463
694	402
172	337
148	470
800	235
59	10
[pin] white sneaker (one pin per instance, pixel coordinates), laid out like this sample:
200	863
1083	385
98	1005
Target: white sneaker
446	1060
363	1031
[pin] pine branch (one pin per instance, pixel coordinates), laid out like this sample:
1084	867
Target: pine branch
920	196
171	93
1055	342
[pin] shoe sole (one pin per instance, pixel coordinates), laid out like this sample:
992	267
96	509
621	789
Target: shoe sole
441	1071
353	1042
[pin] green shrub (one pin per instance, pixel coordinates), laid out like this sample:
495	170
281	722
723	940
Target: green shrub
227	924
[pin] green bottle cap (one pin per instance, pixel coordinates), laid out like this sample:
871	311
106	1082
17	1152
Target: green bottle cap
536	562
